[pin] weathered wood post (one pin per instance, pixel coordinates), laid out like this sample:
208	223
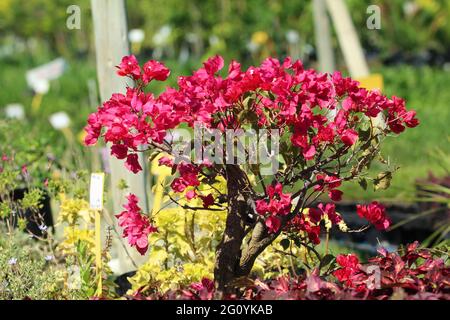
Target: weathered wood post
348	39
111	43
353	51
322	34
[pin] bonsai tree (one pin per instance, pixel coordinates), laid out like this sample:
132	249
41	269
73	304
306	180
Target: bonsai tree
324	130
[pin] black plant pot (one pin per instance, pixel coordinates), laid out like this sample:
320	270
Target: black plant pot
123	285
45	212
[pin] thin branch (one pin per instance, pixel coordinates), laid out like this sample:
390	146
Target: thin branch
185	206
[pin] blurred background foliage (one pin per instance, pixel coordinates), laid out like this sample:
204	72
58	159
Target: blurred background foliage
226	26
411	51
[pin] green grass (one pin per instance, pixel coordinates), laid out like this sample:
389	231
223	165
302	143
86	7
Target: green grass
68	93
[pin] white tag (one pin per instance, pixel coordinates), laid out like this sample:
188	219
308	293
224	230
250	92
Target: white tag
162	35
96	191
48	71
136	35
59	120
15	111
41	86
292	36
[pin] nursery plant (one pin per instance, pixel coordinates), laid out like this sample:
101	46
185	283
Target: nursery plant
284	138
412	273
35	262
24	166
25	271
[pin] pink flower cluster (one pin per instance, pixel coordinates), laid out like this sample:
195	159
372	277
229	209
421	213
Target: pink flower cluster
122	120
312	226
312	110
299	223
375	213
188	177
296	103
279	205
324	210
350	266
136	226
153	70
329	183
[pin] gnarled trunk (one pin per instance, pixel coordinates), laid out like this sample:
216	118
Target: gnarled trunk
229	250
234	256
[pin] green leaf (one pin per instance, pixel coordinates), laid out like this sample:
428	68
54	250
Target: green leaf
382	181
254	168
297	242
285	243
122	185
363	183
364	134
326	260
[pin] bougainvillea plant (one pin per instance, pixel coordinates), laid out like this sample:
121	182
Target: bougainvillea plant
328	131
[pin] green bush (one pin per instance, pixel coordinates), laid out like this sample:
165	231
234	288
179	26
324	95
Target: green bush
25	272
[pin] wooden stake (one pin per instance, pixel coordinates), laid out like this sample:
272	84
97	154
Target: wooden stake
96	204
325	53
111	41
159	194
98	252
36	102
352	50
348	39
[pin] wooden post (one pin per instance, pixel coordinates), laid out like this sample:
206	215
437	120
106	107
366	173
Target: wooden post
353	52
348	39
98	252
96	204
111	42
325	53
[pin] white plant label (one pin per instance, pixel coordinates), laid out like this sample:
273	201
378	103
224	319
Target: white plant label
96	191
15	111
47	72
136	35
59	120
41	86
